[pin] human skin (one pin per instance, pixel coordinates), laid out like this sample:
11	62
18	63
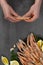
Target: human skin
34	11
8	11
12	16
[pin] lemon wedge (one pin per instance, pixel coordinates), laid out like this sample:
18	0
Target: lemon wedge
14	62
39	43
4	60
42	48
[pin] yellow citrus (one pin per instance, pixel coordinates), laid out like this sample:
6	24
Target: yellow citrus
40	43
4	60
42	48
14	62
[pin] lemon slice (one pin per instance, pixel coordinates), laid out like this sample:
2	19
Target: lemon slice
4	60
14	62
40	43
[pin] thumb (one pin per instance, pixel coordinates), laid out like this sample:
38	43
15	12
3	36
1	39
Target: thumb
13	12
28	13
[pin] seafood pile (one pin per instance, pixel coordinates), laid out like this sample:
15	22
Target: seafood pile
30	53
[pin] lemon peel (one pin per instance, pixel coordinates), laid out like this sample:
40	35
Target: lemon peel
14	62
4	60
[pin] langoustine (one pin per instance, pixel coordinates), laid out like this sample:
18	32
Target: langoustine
28	55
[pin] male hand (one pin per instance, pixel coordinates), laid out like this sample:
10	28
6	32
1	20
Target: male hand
9	13
33	13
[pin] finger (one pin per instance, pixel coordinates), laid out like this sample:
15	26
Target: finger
13	12
33	18
10	20
28	19
28	13
7	17
13	19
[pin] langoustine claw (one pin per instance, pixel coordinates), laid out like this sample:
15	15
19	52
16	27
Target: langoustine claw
22	58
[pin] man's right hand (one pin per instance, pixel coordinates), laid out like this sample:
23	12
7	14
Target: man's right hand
9	13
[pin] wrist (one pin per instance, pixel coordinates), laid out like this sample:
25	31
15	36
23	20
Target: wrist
38	1
2	2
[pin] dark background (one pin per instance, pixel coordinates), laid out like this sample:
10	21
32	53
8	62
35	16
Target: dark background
11	32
